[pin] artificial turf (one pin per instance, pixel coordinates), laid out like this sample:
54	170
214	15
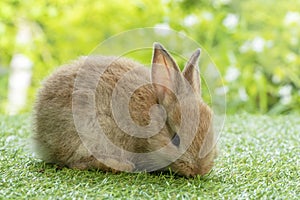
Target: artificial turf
259	159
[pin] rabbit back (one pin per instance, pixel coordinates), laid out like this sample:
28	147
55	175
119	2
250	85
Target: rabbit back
56	138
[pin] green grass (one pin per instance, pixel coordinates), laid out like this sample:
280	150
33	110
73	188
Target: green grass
260	158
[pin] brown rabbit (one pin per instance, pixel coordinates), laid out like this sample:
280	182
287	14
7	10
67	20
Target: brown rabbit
114	114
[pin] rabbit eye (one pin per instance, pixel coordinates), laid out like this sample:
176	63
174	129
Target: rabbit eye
176	140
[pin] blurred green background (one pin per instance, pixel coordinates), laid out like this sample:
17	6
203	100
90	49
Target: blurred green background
255	44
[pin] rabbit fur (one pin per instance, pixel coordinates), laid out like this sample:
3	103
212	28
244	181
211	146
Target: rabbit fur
58	139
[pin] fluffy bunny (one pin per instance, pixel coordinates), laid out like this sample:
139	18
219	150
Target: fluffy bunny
92	92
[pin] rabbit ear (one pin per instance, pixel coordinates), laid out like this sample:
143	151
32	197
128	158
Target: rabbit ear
165	73
191	72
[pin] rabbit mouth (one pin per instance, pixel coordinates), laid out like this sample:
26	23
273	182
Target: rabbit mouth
188	169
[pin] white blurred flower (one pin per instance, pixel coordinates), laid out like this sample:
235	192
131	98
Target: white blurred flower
231	21
291	57
243	94
292	18
258	44
285	93
285	90
221	90
162	29
232	74
207	15
285	100
276	79
190	20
